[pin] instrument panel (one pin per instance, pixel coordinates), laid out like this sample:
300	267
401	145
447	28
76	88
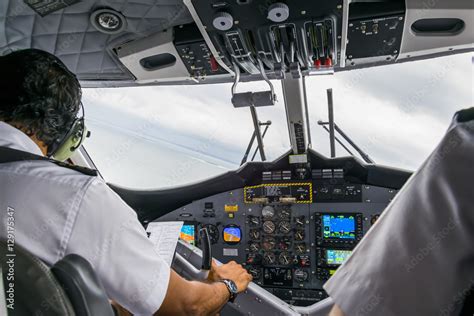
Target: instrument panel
290	235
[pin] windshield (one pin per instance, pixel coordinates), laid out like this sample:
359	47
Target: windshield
163	136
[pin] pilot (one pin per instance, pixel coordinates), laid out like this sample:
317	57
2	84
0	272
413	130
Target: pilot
59	211
418	258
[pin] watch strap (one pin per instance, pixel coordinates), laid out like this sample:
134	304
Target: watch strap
228	283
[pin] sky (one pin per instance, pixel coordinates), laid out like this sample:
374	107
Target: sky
164	136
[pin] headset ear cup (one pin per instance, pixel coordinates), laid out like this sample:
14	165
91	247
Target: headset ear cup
71	141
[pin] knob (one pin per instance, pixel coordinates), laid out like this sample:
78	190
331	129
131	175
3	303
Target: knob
278	12
223	21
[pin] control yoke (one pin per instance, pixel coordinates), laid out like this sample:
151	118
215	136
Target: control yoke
205	243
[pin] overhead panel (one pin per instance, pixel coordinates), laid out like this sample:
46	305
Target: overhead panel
291	39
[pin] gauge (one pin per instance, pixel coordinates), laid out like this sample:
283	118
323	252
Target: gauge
268	227
213	232
300	248
254	234
269	258
268	211
299	235
254	247
268	243
284	258
284	243
300	221
254	258
255	272
254	220
284	227
301	275
285	213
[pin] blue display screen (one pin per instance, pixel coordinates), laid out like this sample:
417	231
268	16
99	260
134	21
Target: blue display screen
339	226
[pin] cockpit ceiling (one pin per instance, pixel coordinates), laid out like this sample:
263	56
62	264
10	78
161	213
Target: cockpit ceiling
175	42
69	34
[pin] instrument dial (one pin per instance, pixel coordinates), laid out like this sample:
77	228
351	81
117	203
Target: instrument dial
255	272
254	247
269	258
213	232
254	234
284	227
254	220
268	227
301	275
285	213
268	243
300	248
300	221
284	243
268	211
299	235
254	258
284	258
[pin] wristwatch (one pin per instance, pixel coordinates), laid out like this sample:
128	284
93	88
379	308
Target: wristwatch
232	289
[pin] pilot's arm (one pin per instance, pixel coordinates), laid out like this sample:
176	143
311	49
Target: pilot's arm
108	234
418	258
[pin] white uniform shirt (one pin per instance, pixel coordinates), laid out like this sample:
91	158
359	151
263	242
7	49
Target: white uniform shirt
58	211
418	259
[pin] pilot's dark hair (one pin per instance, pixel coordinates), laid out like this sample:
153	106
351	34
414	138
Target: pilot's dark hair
38	94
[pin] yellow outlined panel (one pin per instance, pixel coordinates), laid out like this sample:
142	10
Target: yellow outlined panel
291	184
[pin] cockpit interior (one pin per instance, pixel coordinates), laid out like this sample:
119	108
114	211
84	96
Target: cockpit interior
290	221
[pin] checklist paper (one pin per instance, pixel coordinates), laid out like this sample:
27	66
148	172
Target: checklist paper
164	235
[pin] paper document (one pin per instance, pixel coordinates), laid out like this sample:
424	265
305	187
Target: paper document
164	236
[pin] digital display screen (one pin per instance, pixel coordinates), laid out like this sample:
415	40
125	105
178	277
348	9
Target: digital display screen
337	257
232	234
188	233
339	226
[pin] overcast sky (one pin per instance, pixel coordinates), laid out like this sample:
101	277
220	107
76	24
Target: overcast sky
152	137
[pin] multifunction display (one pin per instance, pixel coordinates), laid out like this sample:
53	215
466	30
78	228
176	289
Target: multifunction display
188	233
338	229
336	257
339	226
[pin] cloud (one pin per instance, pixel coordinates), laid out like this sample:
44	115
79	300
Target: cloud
396	113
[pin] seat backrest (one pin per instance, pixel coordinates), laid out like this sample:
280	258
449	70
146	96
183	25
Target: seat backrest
69	288
29	286
83	287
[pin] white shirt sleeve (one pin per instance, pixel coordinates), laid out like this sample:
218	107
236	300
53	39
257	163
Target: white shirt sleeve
108	234
418	258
